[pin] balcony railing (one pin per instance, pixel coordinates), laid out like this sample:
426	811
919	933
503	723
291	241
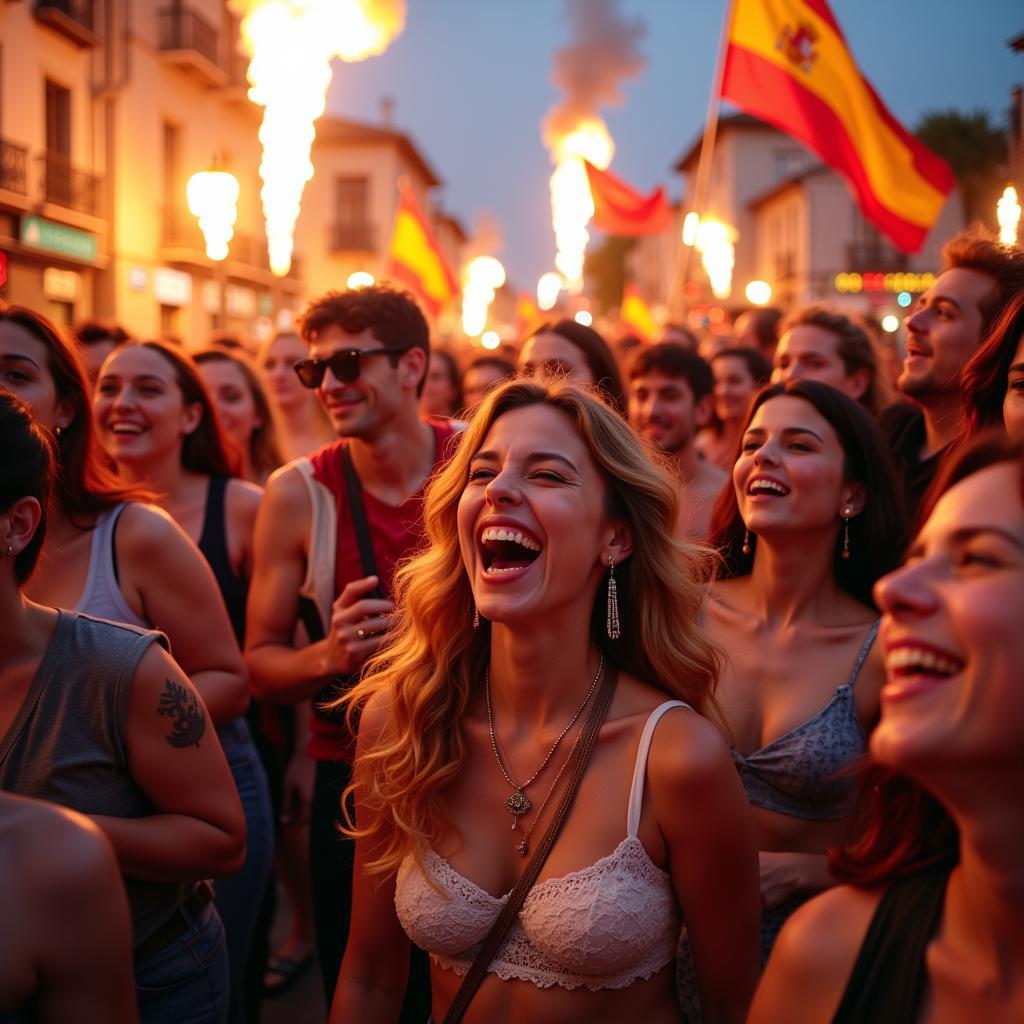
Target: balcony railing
75	19
181	28
350	237
13	167
66	185
861	256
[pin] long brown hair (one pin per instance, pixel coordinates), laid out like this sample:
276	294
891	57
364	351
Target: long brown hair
433	663
87	481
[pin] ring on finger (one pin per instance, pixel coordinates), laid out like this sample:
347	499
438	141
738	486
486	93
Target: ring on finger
361	633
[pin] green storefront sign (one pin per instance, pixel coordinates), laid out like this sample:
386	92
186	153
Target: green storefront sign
58	238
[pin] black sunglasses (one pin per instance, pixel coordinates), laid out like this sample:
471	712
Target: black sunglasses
344	364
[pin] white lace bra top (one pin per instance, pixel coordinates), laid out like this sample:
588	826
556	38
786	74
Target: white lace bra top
604	926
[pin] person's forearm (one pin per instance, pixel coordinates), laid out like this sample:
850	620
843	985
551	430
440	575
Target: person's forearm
363	1001
283	674
173	847
225	693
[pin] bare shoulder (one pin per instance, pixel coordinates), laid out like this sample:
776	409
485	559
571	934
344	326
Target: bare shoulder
814	956
286	494
59	850
144	528
243	498
687	752
374	719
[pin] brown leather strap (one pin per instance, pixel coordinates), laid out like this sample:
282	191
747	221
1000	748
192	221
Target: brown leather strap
496	935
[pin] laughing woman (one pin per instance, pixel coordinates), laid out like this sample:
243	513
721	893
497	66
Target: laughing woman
812	520
930	925
156	420
553	529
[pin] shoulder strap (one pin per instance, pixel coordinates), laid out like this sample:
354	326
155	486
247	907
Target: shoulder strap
213	539
636	790
358	512
863	652
588	738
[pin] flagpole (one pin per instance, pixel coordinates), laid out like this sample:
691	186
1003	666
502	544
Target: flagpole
707	146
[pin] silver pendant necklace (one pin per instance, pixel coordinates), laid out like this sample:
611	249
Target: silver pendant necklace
519	804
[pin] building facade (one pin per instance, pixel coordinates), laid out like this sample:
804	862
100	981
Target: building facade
106	110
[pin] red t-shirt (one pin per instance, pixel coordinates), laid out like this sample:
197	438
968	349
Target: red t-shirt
395	533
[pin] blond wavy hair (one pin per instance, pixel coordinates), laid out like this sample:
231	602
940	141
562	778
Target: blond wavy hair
433	662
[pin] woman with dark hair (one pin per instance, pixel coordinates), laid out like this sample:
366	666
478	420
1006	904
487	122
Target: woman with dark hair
442	386
992	385
243	410
737	374
107	553
812	520
158	423
928	924
96	716
569	348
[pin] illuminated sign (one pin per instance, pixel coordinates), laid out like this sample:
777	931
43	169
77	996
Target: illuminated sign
854	284
59	238
62	285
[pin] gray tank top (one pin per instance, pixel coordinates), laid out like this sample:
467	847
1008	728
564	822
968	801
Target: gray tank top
66	744
102	595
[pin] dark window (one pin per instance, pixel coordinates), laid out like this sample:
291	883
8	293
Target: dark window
58	119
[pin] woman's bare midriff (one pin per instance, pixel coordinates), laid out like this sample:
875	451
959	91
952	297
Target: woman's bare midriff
647	1001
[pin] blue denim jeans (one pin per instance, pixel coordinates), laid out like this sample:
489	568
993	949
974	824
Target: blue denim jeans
187	981
240	897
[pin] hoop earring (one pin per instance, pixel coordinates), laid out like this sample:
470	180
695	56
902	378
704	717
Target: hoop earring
845	554
746	549
614	627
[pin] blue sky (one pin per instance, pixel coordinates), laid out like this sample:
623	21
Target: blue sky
472	83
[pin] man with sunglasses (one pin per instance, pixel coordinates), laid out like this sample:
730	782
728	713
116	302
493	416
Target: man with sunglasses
368	355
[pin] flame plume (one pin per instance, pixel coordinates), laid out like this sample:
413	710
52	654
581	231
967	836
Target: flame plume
291	44
603	53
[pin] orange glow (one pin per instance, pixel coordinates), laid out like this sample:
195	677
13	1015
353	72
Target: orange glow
292	43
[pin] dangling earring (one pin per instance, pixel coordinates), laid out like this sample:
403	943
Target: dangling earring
846	532
614	627
746	549
476	617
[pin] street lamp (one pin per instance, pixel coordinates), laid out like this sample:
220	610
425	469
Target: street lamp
213	198
1008	215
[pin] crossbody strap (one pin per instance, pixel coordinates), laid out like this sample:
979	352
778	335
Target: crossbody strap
358	512
514	903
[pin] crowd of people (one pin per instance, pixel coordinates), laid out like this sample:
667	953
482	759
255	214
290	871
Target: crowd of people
667	680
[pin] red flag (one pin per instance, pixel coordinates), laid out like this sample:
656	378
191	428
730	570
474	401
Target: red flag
788	63
620	210
415	258
635	315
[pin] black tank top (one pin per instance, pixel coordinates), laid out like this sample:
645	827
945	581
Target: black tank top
213	543
888	980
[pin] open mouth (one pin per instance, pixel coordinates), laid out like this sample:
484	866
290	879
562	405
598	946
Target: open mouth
912	662
127	429
505	549
772	488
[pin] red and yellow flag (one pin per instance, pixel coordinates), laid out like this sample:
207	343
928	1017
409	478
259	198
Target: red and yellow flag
635	315
415	258
787	62
620	210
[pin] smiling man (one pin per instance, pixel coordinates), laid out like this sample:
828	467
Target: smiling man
979	275
368	354
669	402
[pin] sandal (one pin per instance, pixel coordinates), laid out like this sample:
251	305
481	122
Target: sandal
288	970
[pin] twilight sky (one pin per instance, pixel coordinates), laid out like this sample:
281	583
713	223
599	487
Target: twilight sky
472	83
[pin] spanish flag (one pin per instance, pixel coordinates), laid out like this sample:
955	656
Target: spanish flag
415	258
635	315
620	210
787	62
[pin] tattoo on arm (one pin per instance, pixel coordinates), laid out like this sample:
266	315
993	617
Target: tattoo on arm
189	717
